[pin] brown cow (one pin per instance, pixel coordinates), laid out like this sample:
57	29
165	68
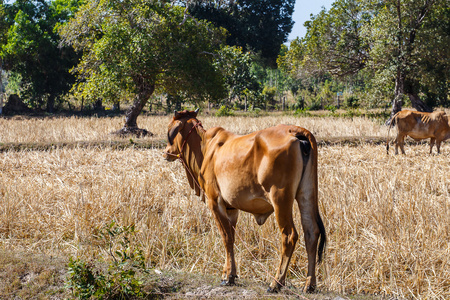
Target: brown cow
419	126
260	173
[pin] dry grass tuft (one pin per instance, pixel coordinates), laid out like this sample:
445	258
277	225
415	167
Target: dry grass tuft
387	217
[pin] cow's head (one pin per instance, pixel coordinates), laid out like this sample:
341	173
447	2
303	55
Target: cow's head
174	138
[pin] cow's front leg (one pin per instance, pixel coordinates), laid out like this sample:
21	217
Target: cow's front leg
226	229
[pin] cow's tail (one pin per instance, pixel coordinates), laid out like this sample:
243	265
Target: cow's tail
391	123
323	238
308	146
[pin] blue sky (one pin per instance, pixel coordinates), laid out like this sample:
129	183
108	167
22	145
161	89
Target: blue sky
302	11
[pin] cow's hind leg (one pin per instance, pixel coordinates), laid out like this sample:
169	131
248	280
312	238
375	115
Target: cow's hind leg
400	141
311	231
226	229
438	146
289	236
396	145
432	140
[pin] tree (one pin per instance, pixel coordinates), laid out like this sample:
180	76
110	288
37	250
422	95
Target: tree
261	26
32	49
238	76
334	39
136	47
389	40
400	34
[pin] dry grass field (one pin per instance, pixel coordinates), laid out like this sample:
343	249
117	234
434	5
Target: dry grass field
387	217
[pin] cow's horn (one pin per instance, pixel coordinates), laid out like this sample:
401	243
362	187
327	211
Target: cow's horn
196	111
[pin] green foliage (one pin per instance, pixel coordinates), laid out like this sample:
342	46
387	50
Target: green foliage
391	47
331	108
255	111
122	279
13	86
82	279
224	111
4	26
33	49
237	70
134	46
302	112
258	26
269	92
351	113
351	102
315	105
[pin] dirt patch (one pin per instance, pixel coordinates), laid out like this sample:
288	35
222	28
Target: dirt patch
132	132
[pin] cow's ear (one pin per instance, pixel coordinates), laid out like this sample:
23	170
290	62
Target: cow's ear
173	131
175	114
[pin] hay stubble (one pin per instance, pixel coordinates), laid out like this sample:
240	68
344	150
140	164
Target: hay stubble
387	217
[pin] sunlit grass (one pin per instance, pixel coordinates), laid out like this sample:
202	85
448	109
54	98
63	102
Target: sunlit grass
387	217
73	129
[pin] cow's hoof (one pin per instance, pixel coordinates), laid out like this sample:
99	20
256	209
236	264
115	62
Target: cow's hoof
309	288
274	289
230	281
226	283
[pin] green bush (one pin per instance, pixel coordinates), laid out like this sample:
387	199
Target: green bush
224	112
82	279
121	280
302	112
315	105
351	102
353	113
331	108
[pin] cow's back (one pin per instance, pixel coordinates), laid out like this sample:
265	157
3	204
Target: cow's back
420	125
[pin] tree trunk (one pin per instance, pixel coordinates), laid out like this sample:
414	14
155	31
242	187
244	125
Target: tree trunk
145	91
397	102
130	127
245	107
51	104
116	106
417	103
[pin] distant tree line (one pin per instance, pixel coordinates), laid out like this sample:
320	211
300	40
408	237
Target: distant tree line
150	53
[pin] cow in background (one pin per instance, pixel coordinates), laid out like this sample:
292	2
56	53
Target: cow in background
260	173
419	126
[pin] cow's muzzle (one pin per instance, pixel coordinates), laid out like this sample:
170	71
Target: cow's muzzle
170	157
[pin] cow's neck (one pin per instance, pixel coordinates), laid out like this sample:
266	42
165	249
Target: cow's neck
193	156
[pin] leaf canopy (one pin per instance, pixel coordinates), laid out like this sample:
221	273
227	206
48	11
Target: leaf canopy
130	44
